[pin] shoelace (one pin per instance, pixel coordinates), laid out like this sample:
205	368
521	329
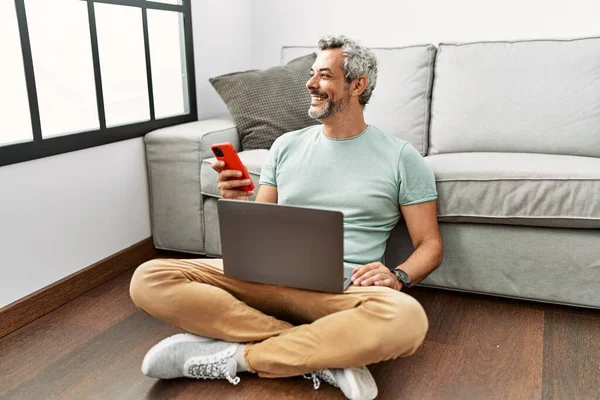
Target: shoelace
213	368
318	376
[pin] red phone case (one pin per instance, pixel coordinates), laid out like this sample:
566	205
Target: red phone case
232	161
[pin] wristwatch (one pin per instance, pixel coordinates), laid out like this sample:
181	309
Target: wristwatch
402	277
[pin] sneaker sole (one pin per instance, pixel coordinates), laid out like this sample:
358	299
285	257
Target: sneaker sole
170	341
361	382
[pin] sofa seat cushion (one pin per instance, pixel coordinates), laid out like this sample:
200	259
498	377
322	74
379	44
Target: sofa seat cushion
518	188
252	159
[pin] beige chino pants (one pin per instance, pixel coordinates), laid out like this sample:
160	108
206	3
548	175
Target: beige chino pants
288	331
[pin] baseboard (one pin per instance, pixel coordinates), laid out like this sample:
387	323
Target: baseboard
41	302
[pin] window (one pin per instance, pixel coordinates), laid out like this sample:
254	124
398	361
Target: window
122	64
83	73
14	106
168	63
63	66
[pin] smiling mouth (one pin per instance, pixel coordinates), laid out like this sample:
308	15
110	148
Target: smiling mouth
315	98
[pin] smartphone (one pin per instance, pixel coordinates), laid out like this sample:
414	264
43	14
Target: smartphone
226	152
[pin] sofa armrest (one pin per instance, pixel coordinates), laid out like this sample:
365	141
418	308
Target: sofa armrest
204	133
174	156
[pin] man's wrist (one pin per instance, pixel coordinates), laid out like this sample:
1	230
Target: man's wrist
402	277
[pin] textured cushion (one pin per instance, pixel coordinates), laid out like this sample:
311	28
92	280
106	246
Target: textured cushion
400	102
252	159
515	188
266	104
540	96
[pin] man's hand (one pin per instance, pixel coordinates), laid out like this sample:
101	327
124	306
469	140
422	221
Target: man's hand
376	274
229	184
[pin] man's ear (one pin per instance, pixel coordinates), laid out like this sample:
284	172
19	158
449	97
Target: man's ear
359	85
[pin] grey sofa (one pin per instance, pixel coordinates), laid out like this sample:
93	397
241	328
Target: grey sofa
512	133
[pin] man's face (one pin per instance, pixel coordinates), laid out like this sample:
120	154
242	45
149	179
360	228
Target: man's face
330	93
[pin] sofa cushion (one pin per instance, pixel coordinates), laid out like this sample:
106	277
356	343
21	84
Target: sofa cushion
538	96
496	188
266	104
252	159
400	102
515	188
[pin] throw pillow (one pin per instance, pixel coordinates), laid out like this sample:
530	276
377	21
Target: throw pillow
265	104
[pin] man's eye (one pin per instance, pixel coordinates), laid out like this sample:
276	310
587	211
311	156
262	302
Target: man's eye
325	76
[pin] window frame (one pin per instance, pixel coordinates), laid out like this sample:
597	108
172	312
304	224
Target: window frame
41	147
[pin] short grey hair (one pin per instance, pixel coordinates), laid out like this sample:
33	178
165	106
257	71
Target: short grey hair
357	60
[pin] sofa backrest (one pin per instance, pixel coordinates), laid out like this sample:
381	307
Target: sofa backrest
400	102
537	96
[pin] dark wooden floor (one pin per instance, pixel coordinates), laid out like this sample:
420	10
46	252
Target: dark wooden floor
477	348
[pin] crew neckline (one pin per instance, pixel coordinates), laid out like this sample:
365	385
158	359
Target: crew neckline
344	139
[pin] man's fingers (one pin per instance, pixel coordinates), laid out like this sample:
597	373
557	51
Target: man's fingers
375	278
361	269
229	182
368	271
232	184
370	278
358	272
365	275
384	282
228	174
367	267
218	165
236	194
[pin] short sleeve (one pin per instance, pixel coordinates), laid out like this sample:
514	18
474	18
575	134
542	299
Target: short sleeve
417	182
268	173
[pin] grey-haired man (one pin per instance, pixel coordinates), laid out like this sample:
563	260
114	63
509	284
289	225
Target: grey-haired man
351	167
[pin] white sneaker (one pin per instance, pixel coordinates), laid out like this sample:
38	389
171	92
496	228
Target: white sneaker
355	383
187	355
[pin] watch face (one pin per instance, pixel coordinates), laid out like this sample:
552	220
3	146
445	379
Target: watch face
403	276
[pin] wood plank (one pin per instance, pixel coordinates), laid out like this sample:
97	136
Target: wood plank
496	346
29	350
572	354
429	374
23	311
78	374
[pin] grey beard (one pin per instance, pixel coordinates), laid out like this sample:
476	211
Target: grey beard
330	109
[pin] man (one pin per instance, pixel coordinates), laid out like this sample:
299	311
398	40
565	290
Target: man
343	164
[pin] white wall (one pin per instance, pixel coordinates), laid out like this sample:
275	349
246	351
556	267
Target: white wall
60	214
237	35
380	23
222	44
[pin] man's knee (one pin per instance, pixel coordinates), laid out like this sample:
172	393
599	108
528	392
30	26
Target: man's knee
408	324
140	287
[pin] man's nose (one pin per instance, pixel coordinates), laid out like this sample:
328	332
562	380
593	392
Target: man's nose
311	84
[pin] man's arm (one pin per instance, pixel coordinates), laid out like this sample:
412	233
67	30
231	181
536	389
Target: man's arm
266	194
421	221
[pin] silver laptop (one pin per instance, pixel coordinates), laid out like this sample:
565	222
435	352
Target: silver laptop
283	245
